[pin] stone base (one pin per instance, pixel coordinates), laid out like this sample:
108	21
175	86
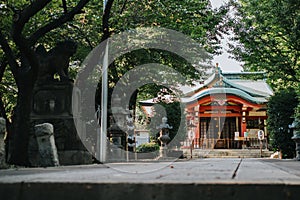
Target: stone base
175	154
116	154
74	157
66	140
53	103
150	155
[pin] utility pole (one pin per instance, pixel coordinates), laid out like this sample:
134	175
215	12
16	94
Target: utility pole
102	134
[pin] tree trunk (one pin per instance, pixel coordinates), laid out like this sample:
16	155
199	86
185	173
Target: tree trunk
18	141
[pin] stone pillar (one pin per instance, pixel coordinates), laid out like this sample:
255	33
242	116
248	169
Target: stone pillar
2	144
46	145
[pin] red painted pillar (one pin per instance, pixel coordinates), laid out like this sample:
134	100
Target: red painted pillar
244	128
243	121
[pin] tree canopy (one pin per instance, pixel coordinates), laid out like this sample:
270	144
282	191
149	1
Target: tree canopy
268	35
25	24
268	39
58	20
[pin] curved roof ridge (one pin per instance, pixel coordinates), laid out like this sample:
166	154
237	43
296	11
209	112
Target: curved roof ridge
246	89
223	90
208	81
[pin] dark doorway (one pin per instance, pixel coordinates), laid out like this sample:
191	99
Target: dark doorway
218	131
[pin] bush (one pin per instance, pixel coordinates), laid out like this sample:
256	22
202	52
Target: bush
147	148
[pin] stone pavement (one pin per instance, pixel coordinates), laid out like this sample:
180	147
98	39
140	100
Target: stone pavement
230	178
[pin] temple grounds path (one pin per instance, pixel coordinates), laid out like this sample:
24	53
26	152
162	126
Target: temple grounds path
228	178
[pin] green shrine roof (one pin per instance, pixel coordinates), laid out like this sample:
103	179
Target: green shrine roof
235	83
225	91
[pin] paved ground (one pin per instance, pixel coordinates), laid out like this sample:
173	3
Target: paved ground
206	178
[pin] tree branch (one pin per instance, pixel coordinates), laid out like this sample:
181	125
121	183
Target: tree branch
105	20
105	28
123	7
21	18
9	56
58	22
85	37
65	6
19	22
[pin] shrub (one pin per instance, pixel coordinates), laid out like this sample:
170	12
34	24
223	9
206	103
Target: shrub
147	148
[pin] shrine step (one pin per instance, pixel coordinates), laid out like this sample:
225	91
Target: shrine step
227	153
204	179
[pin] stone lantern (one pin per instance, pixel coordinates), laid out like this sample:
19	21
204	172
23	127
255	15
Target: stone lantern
295	126
131	143
164	137
116	131
130	134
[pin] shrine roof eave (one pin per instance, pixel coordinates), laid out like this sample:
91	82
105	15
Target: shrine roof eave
189	90
251	91
224	91
247	86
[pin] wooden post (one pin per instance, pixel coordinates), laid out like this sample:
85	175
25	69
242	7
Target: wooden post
191	147
261	144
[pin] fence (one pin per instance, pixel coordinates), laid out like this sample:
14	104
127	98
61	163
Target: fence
226	143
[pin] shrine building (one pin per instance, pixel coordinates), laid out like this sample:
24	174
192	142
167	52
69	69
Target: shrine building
227	110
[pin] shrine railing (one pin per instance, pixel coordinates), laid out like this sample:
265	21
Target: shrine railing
226	143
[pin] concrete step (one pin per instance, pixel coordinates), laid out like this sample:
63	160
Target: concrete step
205	179
230	153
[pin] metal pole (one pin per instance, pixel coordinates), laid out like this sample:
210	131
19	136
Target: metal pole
126	147
104	90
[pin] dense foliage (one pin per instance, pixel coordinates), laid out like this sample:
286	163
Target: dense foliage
267	35
280	116
26	24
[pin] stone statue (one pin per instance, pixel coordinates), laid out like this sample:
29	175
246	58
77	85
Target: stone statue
164	137
56	60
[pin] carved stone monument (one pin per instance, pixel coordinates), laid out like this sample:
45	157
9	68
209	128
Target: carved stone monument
46	145
116	131
53	103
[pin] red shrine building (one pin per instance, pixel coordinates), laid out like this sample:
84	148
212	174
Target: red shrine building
227	111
